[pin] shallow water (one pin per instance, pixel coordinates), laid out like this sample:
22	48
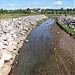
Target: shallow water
35	53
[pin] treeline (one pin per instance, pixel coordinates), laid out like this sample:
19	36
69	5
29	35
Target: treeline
39	11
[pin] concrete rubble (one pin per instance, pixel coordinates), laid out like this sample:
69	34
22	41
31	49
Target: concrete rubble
13	32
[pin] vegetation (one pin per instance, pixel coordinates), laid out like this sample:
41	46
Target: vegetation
28	11
39	11
13	15
67	29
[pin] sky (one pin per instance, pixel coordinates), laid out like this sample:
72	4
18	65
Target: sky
54	4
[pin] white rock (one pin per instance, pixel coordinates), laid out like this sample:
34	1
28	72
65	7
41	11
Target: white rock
6	55
2	45
26	40
10	28
8	35
10	39
3	37
4	22
26	28
5	42
12	32
13	42
57	32
1	63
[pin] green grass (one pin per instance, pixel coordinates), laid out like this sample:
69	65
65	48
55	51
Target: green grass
53	15
67	29
2	16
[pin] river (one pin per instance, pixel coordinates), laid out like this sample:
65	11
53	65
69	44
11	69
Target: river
35	52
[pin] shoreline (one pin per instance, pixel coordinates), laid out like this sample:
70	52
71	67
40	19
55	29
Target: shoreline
8	56
64	50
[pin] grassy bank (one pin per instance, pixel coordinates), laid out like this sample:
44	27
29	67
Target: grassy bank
66	29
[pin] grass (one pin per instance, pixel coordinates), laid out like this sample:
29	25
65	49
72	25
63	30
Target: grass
66	29
2	16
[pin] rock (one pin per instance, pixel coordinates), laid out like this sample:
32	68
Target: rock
20	44
5	42
11	47
2	45
6	69
26	40
57	32
10	28
12	32
3	37
6	55
10	39
14	36
16	62
13	43
26	29
8	35
1	63
1	32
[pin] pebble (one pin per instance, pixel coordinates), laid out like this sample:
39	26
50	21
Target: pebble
26	40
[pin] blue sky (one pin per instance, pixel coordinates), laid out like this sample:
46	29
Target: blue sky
16	4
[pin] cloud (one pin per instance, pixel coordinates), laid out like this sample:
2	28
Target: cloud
46	7
11	5
57	3
68	7
36	3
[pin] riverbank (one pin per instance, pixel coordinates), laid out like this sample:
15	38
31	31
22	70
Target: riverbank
13	32
67	23
63	52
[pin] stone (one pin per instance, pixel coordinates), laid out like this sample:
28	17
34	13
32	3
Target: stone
1	63
57	32
3	37
20	45
5	42
13	42
6	55
12	32
8	35
11	47
26	40
10	28
14	36
10	39
2	45
6	69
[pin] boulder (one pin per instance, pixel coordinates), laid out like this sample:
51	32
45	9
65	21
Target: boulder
2	45
6	69
6	55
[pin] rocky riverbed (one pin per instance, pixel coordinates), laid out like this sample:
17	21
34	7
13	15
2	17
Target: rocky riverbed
13	32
